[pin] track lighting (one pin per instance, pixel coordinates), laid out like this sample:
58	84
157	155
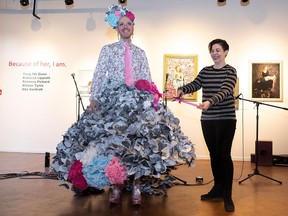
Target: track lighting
69	2
122	1
24	2
223	2
244	2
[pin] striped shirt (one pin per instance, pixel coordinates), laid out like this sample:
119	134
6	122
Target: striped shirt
218	88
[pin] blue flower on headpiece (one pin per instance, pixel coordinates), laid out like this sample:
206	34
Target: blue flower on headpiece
115	12
112	20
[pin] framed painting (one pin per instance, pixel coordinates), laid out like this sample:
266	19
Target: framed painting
84	78
178	71
266	81
236	93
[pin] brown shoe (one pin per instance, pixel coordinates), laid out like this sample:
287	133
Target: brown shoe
115	195
136	196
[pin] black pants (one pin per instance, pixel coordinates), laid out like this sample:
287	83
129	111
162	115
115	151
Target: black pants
218	135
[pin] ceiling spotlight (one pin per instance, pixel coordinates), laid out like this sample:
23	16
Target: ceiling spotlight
24	2
122	1
244	2
69	2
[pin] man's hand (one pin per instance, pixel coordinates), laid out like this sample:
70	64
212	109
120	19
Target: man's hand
92	105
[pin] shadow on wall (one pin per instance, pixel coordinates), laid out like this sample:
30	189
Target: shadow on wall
91	23
35	24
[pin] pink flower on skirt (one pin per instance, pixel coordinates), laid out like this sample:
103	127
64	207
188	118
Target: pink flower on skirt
75	176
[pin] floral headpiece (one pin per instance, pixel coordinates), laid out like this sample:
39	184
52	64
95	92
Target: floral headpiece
115	12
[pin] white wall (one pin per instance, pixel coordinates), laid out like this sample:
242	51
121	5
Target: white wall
36	121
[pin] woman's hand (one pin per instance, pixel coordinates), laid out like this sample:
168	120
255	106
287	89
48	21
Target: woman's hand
204	106
180	93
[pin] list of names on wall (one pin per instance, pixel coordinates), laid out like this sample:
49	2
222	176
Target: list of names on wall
34	81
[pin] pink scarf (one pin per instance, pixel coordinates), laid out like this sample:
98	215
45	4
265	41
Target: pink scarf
152	88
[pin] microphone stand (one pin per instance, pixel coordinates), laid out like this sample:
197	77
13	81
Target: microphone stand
165	106
79	98
256	171
165	91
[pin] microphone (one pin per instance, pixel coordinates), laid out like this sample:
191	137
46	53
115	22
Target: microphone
73	75
237	97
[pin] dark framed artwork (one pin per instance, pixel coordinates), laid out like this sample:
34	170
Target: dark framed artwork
266	81
178	71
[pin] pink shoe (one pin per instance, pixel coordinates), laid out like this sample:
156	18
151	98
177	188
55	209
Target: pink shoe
115	195
136	196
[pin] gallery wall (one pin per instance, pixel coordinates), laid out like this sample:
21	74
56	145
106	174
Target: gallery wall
39	56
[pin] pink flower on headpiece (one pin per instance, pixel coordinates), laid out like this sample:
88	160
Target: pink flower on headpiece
118	14
130	15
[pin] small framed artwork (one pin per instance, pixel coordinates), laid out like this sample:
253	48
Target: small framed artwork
178	71
85	81
266	81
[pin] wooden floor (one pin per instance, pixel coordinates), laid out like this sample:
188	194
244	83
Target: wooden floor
38	196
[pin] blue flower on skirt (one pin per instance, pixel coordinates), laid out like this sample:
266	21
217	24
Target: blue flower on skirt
94	172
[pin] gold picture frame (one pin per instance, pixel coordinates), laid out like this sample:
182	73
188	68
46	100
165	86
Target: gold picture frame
266	81
236	93
178	71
